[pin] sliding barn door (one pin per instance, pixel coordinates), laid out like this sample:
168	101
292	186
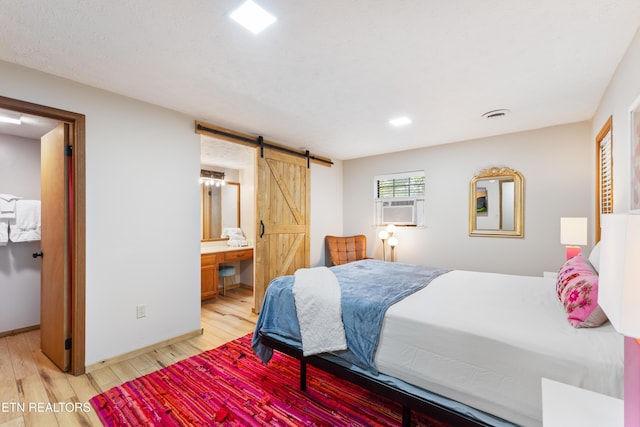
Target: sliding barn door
282	216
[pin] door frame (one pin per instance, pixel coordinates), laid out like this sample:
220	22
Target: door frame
78	284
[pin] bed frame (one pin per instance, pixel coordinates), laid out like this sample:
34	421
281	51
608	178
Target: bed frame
407	400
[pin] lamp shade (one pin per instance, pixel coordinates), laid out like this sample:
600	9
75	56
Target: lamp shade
619	281
573	231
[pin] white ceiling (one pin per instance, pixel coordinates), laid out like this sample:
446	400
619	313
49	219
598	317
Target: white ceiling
330	74
32	127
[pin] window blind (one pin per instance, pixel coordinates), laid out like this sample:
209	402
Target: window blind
606	176
406	186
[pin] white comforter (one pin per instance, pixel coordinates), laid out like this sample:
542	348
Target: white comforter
487	339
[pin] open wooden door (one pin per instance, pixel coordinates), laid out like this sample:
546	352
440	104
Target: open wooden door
282	218
55	328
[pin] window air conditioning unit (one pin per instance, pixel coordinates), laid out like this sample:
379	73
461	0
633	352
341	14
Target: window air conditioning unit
399	212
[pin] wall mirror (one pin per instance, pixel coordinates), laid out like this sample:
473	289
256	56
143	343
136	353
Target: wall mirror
496	203
220	208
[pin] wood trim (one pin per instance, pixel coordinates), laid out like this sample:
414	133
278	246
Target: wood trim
147	349
606	128
320	160
78	286
19	331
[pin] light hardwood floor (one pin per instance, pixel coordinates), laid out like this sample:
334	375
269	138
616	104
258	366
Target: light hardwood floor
33	392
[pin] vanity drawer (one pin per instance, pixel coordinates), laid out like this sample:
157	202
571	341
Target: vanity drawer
208	260
239	255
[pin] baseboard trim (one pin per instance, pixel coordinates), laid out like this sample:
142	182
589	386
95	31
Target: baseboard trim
234	286
19	331
138	352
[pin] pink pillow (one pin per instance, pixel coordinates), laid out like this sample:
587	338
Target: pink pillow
577	289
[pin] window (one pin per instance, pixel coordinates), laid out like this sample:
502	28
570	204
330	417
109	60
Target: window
402	185
399	198
604	170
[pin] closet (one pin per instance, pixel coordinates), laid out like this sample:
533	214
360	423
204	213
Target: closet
59	174
19	271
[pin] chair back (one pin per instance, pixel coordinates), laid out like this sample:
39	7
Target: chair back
341	250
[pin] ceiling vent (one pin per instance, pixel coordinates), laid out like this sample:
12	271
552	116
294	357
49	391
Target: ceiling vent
495	114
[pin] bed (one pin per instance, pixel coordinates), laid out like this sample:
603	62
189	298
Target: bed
472	345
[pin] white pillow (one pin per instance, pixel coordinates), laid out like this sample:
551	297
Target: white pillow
594	257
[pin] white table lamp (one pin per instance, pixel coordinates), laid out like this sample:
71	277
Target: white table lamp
383	235
573	234
393	242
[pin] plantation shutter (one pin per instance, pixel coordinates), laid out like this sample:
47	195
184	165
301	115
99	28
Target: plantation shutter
604	170
606	177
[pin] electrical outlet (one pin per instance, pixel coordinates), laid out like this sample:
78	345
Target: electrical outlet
141	311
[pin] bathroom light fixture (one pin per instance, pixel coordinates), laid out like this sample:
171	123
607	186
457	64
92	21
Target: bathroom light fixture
400	121
10	117
211	178
210	182
252	17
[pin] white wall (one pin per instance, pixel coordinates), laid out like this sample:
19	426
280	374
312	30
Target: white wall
326	207
623	89
557	165
19	272
142	204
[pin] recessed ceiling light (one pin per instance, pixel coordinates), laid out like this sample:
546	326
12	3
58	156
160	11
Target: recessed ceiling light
400	121
252	17
495	113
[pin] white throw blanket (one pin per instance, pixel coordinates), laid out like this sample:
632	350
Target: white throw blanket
26	225
316	292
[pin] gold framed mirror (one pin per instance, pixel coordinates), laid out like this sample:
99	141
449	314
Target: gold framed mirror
496	207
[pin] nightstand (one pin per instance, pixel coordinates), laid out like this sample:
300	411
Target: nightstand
568	406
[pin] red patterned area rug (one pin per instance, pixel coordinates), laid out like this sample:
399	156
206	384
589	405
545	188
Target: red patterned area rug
230	386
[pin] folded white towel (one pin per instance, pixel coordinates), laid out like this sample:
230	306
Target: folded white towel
4	232
8	205
317	297
237	243
25	227
233	233
9	197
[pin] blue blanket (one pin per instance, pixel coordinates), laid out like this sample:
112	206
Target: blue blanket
368	289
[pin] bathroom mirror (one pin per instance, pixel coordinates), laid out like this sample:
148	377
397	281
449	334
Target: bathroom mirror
220	209
496	203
